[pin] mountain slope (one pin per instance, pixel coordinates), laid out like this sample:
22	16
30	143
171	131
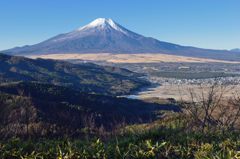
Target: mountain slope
235	50
84	77
101	35
58	111
105	36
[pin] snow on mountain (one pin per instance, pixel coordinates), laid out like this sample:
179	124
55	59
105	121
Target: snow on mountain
106	36
100	24
103	23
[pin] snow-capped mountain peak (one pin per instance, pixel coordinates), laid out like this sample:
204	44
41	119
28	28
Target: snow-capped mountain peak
106	36
103	23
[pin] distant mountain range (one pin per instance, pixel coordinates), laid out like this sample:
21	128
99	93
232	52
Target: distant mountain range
236	50
106	36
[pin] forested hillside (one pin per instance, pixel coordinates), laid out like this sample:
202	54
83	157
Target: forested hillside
33	109
84	77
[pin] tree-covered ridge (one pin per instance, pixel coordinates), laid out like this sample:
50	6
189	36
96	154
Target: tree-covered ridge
84	77
34	109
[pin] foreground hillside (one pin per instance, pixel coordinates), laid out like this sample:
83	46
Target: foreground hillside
165	140
84	77
33	109
47	121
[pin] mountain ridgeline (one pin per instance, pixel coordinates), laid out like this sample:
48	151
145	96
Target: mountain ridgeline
87	77
106	36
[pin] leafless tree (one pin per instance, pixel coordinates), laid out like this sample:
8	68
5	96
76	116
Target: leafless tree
209	108
26	110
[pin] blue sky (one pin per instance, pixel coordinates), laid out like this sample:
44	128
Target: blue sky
203	23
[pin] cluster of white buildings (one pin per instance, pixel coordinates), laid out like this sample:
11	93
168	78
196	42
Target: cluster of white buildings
174	81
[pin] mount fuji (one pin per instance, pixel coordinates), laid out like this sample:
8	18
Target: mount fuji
106	36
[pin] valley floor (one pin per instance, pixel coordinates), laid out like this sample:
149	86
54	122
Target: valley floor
189	71
128	58
180	92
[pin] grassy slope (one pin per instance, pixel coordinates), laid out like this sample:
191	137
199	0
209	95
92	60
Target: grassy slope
163	141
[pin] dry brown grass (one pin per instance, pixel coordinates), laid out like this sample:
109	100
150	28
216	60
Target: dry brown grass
180	91
129	58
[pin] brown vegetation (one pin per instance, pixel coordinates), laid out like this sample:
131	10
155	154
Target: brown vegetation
128	58
211	110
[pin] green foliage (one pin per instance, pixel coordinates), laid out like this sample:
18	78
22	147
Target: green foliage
130	146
